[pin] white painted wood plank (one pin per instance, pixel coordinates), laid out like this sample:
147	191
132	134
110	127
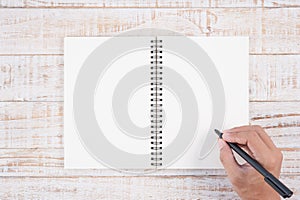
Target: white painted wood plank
284	30
31	125
147	3
31	78
118	188
77	3
192	187
275	114
209	3
274	77
281	3
266	34
41	31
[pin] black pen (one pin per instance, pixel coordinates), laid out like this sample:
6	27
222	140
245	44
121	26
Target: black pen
277	185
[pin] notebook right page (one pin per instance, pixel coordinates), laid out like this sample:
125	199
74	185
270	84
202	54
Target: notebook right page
205	87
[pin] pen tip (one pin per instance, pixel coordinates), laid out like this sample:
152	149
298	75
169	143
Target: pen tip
218	133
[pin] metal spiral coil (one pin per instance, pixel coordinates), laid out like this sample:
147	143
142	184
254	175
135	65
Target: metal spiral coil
156	102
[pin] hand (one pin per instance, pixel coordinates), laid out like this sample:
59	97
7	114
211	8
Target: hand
246	181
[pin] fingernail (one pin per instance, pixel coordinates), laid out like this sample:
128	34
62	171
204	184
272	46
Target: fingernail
221	143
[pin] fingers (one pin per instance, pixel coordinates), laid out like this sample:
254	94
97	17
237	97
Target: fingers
246	148
228	160
258	148
264	136
255	140
259	130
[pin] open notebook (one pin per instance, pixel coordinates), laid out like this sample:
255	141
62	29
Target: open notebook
152	102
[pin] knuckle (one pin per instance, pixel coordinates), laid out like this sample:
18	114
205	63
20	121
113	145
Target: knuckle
254	135
231	138
280	156
257	127
240	140
243	140
236	137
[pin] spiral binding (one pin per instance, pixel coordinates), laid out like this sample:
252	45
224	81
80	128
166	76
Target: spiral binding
156	102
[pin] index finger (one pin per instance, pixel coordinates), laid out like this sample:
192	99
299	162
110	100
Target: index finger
252	140
262	134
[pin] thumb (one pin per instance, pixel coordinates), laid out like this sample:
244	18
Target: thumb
228	160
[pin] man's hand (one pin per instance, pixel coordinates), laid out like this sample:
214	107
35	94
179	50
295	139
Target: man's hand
246	181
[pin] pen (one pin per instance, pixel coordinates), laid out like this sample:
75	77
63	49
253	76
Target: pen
276	184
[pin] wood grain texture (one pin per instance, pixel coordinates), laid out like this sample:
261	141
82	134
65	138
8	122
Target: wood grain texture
40	78
147	3
77	3
274	78
31	78
50	163
21	35
190	187
40	124
118	188
275	114
31	69
31	125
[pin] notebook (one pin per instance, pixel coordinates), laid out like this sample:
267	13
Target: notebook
151	102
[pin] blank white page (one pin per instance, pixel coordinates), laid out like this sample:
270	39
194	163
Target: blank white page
229	56
121	101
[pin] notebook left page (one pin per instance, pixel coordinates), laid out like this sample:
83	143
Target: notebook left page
106	102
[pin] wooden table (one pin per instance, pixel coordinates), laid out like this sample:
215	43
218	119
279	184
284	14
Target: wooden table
31	90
